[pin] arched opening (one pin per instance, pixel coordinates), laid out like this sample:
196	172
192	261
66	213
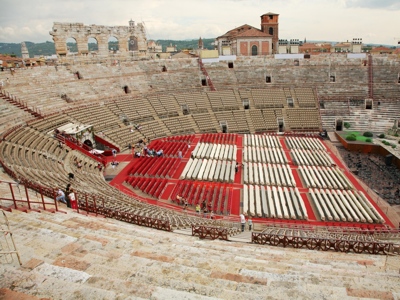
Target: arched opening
271	31
113	44
93	45
72	47
254	50
133	44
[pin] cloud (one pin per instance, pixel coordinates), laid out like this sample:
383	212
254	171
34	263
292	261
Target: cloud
336	20
374	4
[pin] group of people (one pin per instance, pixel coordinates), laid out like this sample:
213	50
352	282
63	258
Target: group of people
182	201
243	222
70	199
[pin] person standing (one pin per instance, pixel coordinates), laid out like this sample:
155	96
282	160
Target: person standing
67	191
242	221
72	199
250	223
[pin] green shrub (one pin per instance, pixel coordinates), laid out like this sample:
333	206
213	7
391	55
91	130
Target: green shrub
393	146
368	134
382	135
351	137
347	125
368	140
396	134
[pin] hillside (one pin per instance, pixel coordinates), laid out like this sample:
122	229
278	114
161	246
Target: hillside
47	48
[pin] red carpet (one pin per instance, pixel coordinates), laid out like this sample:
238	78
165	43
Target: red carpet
220	197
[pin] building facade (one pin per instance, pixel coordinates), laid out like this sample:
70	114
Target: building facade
247	40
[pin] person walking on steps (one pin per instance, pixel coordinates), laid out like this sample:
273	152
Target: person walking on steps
250	223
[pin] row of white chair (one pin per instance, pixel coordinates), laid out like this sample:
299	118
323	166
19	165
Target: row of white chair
271	174
311	158
308	143
323	177
215	151
345	206
273	202
264	155
209	170
256	140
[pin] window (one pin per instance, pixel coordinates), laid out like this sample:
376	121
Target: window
332	78
271	31
230	65
271	17
254	51
268	79
204	82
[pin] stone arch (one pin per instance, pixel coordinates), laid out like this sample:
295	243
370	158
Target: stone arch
71	46
113	44
81	33
93	44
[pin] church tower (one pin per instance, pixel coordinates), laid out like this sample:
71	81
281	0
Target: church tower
200	44
24	51
269	25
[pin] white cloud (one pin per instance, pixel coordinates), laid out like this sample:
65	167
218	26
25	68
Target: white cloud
337	20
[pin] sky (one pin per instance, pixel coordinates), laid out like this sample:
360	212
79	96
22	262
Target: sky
375	21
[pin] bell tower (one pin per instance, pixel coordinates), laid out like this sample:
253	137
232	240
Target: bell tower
270	25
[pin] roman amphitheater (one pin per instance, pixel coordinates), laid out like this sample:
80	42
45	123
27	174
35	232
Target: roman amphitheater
319	231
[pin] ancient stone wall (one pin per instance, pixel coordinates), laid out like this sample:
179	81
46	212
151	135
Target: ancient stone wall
130	38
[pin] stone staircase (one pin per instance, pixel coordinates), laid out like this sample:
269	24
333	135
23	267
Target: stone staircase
73	256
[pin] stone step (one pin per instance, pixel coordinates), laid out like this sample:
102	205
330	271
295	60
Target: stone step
72	255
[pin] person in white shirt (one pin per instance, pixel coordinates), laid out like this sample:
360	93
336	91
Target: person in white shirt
61	196
242	221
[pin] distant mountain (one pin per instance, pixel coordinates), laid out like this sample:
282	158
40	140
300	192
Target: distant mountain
186	44
47	48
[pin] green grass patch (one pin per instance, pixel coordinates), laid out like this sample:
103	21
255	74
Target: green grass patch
358	136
